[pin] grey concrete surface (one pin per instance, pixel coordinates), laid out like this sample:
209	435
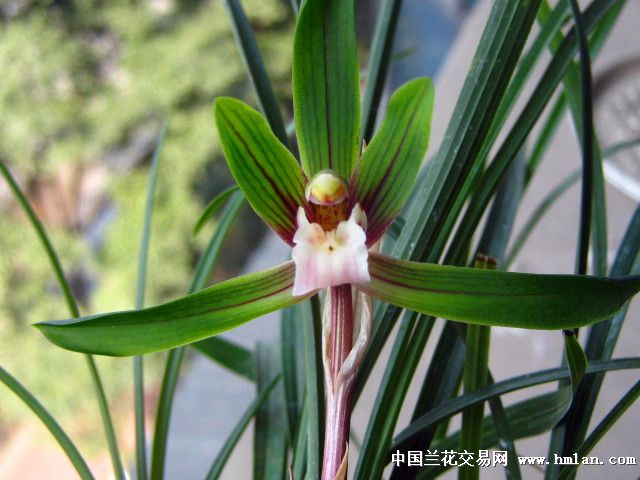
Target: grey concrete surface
222	397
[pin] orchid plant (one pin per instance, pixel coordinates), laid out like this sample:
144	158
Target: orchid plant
333	207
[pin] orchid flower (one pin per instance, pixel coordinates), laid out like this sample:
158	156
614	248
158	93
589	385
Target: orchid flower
331	221
332	208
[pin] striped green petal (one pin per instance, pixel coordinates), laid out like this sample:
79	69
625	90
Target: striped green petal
200	315
265	170
326	94
389	165
490	297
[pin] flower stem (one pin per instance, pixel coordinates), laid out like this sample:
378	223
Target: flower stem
336	431
339	387
341	326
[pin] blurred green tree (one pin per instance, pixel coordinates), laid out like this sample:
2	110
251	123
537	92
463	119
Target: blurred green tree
86	87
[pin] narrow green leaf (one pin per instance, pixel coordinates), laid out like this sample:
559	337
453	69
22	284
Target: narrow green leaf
70	450
456	405
539	98
587	137
602	428
576	359
379	61
440	181
389	165
578	81
440	384
233	438
592	190
218	350
497	298
265	170
105	415
505	436
403	360
552	24
499	419
143	254
56	265
230	355
494	62
255	67
507	103
569	433
270	443
475	375
493	242
163	412
620	146
289	325
210	255
547	132
311	319
299	463
200	315
138	364
528	418
139	414
603	337
539	212
499	224
213	206
326	91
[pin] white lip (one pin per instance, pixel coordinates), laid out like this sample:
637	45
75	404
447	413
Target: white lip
328	259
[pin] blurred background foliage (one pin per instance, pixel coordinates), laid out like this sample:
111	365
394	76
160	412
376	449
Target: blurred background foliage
86	87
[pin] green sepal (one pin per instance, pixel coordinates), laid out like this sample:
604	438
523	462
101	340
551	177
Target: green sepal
207	312
496	298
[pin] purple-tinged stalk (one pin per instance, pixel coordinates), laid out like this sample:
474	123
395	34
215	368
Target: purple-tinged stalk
341	358
338	401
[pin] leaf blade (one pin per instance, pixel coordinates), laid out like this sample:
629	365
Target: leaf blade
72	305
603	427
528	418
379	61
254	64
67	445
269	437
176	356
234	437
212	207
576	359
447	409
228	354
138	363
314	388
